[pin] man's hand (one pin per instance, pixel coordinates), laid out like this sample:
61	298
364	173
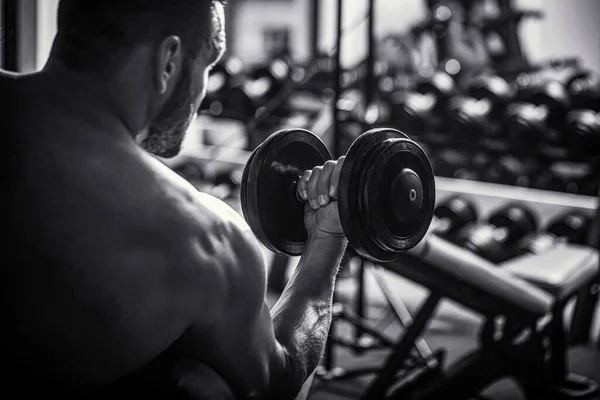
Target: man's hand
319	188
198	381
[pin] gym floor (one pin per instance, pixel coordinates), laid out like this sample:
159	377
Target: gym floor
453	328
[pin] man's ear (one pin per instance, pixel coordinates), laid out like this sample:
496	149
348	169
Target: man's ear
169	63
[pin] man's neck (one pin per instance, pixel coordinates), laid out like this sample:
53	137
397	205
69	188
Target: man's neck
107	106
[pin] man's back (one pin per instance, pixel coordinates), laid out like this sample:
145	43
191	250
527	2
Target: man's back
97	229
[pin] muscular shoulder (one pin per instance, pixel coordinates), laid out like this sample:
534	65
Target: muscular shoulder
218	257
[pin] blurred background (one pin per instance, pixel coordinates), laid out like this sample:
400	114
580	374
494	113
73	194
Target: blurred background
473	81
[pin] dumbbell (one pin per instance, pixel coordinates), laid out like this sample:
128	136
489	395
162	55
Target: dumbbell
452	163
561	177
224	76
385	196
481	113
570	227
508	170
264	81
584	90
538	119
538	116
582	125
495	239
424	109
452	215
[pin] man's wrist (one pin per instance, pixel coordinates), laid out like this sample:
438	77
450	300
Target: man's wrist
318	238
322	247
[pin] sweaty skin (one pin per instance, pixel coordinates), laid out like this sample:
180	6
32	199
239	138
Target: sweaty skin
116	269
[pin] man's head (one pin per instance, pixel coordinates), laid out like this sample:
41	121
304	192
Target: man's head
175	41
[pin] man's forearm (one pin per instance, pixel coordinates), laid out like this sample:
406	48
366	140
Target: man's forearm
302	316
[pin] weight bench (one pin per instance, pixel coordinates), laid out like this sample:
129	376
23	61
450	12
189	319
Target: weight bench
562	272
530	317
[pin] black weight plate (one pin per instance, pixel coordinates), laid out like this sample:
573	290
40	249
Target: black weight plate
244	185
271	208
350	193
399	195
250	213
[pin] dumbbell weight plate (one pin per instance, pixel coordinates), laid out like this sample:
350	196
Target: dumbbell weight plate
386	194
268	194
244	185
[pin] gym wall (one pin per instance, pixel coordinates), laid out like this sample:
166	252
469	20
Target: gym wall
569	27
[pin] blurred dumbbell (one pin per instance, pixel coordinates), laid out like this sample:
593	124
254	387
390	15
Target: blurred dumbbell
222	79
452	215
481	113
507	170
356	116
537	117
584	90
263	82
451	163
571	227
582	125
582	132
423	110
559	177
495	239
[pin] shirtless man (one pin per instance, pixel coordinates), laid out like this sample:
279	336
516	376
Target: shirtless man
115	268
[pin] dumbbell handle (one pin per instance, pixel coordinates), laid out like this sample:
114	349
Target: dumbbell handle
397	188
406	190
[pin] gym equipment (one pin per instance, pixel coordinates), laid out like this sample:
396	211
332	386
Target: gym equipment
582	132
447	270
502	34
265	81
424	110
537	116
571	227
452	215
386	193
582	125
537	120
482	112
493	239
453	54
224	97
508	170
452	163
585	90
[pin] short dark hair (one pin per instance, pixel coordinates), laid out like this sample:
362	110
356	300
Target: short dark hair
97	35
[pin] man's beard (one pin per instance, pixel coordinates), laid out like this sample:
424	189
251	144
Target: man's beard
167	131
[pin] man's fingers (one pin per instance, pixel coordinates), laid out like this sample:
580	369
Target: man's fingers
311	188
198	381
335	178
301	188
319	185
324	183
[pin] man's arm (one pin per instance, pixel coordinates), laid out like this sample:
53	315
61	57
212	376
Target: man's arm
266	353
